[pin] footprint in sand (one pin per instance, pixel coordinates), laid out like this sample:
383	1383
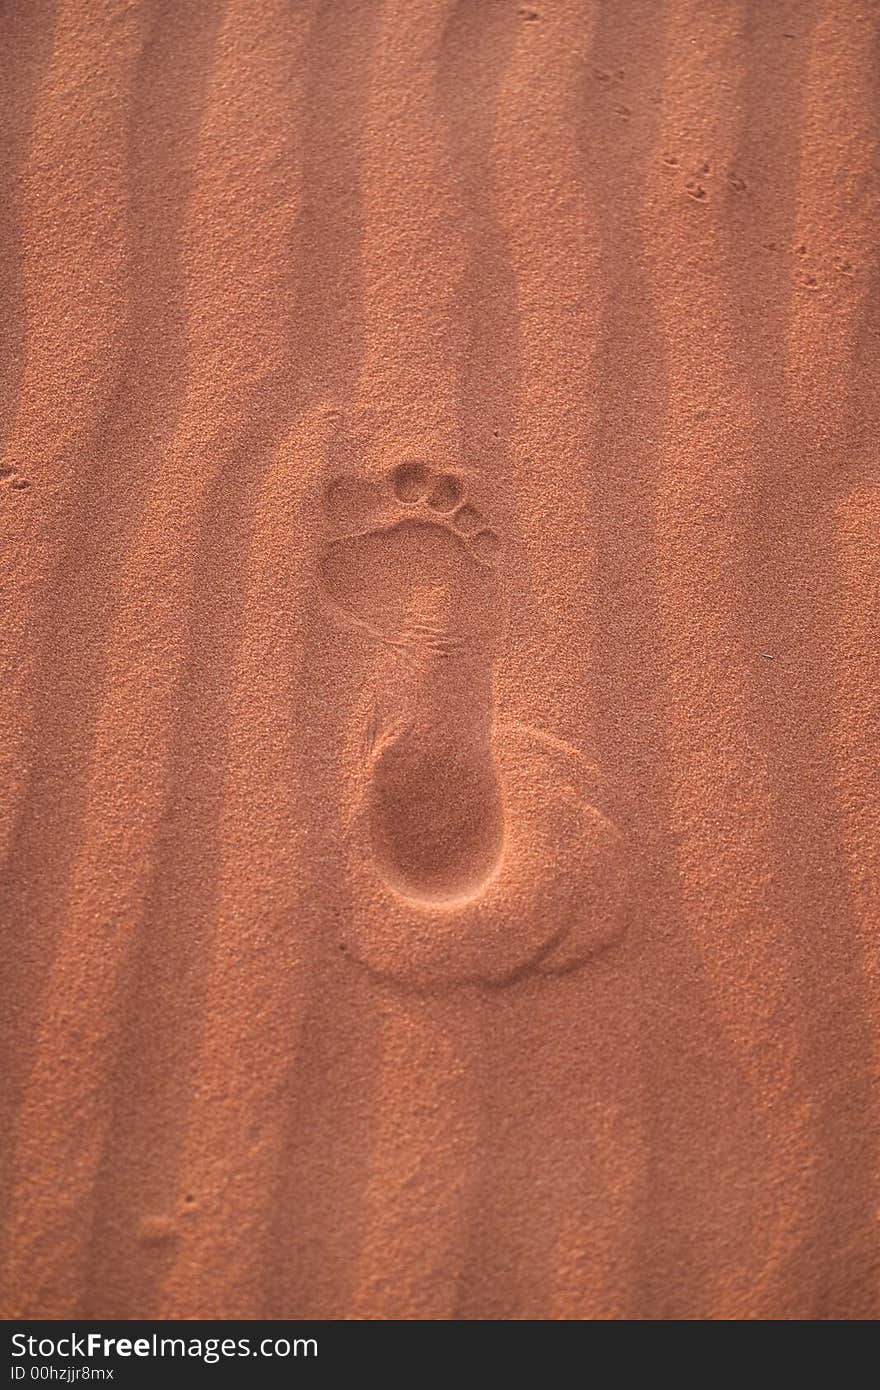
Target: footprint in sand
475	849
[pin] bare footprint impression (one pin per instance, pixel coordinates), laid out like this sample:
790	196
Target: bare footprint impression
473	849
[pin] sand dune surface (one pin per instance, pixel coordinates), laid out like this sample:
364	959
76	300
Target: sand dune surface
439	510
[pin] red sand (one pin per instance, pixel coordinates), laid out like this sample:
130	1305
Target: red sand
439	514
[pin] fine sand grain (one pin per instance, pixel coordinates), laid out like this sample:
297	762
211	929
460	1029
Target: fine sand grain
439	510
